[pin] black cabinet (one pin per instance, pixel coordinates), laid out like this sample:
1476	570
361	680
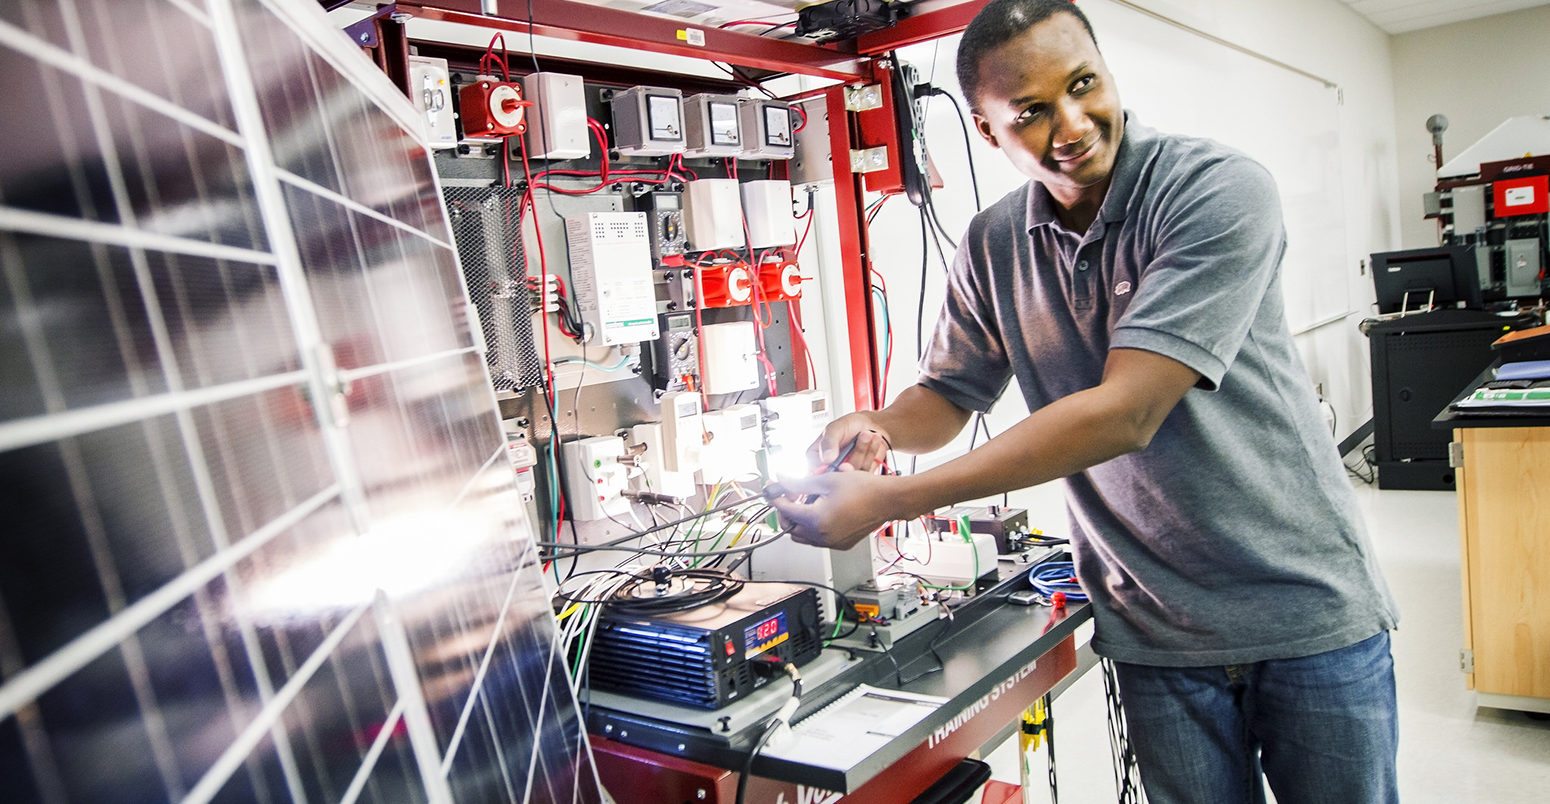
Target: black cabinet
1419	364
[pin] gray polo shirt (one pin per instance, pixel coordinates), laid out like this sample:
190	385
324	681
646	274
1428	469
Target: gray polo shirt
1234	537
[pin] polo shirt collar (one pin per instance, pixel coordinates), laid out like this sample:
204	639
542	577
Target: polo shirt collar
1135	145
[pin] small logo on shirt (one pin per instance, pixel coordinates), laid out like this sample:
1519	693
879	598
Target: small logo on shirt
1122	288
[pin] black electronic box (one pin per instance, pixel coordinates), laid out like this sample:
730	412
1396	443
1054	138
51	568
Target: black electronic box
709	656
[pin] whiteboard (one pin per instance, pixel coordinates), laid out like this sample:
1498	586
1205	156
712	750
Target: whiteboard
1179	82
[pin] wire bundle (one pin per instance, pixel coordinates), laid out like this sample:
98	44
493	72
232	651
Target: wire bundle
1056	577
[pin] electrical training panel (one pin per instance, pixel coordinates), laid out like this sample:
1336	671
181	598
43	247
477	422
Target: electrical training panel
636	281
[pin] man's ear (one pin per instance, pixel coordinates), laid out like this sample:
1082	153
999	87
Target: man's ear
983	127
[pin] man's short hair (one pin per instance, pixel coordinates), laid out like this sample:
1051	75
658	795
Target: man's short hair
999	22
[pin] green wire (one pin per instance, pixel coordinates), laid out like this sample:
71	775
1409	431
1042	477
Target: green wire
623	363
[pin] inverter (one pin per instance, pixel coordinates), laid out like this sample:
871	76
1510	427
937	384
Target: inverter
709	656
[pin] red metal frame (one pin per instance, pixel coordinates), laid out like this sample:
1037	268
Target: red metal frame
922	25
855	246
580	22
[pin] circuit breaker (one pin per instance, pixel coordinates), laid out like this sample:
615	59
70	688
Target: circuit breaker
711	125
611	263
491	108
648	121
431	90
724	284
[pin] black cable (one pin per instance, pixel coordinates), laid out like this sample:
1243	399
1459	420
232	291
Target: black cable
719	585
898	670
927	91
920	304
1049	742
742	779
664	526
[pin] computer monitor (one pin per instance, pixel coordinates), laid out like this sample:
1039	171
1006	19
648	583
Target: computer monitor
1444	276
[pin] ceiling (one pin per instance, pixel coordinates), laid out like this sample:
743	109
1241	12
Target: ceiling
1402	16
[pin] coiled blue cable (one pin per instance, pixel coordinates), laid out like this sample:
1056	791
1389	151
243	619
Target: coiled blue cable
1056	576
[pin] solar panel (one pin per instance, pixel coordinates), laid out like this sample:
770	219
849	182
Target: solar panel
262	540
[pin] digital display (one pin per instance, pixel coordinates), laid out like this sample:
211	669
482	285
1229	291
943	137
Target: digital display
765	635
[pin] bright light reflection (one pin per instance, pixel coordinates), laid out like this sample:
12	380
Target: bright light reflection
787	462
402	554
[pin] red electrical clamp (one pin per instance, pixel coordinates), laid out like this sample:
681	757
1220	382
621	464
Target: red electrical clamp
727	284
492	108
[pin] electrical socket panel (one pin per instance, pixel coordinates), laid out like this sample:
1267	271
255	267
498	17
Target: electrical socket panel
655	477
792	422
595	480
610	255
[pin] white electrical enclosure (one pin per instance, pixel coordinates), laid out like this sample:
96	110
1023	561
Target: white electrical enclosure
610	256
731	357
683	430
711	125
655	476
767	129
767	206
713	214
431	90
792	422
648	121
594	479
736	436
557	121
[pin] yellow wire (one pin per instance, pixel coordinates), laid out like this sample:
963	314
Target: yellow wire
569	611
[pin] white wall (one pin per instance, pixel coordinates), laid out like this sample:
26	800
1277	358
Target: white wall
1478	73
1323	37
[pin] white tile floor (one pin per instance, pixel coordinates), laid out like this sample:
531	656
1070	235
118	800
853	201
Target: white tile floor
1449	750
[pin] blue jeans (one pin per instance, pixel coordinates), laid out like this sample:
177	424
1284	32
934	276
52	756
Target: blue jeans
1321	728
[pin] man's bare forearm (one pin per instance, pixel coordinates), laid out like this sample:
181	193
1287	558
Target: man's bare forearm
919	420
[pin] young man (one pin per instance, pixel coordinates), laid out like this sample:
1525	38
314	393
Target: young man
1132	289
